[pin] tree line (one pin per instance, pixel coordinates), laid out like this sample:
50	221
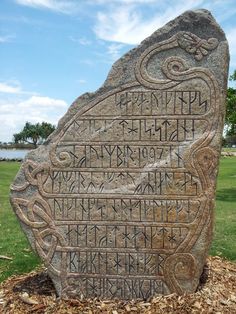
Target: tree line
37	133
230	117
34	133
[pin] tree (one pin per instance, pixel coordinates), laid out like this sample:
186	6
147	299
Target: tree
46	129
18	138
34	133
230	118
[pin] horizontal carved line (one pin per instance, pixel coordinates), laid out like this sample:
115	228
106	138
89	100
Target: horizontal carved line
139	143
127	196
120	198
124	223
115	169
150	142
134	142
146	117
135	277
115	249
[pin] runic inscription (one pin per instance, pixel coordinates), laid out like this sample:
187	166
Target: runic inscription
121	204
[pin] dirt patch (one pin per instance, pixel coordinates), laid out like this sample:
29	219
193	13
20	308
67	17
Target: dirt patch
34	293
36	284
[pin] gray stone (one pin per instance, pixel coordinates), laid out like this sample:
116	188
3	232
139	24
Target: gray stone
119	202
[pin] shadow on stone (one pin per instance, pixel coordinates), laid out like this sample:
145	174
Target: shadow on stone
41	283
38	284
204	277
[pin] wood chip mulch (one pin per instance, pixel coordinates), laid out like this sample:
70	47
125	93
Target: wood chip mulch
34	293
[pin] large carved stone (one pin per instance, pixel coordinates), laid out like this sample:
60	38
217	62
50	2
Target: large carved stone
119	202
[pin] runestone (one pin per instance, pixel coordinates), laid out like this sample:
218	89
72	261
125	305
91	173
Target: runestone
119	202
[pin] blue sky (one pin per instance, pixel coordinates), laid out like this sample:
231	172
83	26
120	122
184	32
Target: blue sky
52	51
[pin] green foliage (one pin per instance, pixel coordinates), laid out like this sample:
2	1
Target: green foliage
230	118
46	129
18	138
233	76
34	133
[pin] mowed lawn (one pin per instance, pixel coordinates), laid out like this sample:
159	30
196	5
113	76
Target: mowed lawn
224	243
14	244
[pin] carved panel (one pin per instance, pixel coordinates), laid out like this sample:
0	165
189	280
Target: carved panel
119	206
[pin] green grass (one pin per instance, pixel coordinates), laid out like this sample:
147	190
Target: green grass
224	243
14	244
12	240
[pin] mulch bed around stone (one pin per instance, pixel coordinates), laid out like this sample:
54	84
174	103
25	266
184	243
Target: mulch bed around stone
34	293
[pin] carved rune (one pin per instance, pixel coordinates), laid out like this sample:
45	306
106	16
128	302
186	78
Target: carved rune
119	202
195	45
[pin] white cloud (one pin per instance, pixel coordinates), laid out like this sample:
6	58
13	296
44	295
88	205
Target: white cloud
122	1
118	26
54	5
6	39
114	51
126	23
39	101
231	36
82	41
13	87
81	81
10	89
15	112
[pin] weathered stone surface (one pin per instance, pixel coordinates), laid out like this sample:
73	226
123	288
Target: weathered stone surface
119	201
